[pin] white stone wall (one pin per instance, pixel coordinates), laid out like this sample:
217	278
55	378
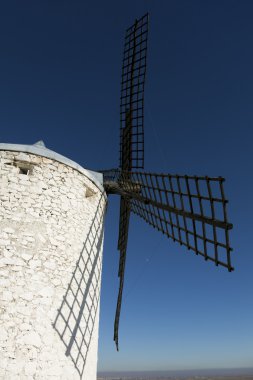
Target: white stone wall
51	238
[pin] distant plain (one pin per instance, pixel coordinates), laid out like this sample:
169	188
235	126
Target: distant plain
208	374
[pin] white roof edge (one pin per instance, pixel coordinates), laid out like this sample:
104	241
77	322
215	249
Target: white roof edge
95	177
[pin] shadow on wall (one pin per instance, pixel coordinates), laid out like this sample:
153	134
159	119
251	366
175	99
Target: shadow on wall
76	317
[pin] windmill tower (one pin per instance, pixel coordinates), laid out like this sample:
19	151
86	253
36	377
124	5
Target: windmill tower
51	235
51	238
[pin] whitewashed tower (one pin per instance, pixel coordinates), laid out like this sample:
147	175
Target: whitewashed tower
51	238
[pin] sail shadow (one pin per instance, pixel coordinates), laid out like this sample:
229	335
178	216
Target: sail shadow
75	319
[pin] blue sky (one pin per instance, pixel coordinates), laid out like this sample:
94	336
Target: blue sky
60	66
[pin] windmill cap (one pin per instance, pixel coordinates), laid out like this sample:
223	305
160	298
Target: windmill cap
40	149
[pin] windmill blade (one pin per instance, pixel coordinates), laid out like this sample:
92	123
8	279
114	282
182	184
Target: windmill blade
132	95
122	247
110	176
189	209
124	223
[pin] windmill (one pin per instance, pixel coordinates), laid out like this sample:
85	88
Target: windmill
191	210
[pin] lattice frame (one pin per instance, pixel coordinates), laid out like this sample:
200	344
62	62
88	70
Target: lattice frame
132	96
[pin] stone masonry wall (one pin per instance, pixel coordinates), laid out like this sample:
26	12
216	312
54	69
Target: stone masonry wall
51	238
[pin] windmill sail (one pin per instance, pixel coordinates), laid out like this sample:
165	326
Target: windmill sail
132	96
191	210
122	247
131	130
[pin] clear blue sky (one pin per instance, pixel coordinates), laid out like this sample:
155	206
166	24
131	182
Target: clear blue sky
60	64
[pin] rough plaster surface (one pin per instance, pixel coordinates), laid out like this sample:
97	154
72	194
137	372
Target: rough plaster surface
51	238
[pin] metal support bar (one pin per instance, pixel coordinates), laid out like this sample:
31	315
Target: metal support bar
115	188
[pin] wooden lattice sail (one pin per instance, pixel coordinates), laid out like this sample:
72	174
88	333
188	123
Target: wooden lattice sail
191	210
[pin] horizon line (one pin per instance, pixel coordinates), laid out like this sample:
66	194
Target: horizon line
179	370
